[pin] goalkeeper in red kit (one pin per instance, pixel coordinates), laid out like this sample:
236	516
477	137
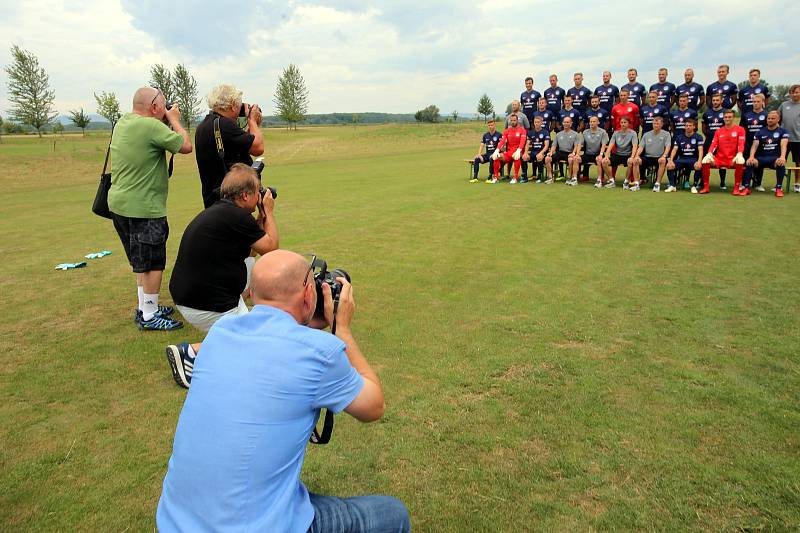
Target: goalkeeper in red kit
514	139
726	152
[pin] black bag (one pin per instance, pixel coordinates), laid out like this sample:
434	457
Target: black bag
100	205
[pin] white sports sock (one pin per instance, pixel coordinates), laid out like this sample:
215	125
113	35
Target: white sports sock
140	290
149	306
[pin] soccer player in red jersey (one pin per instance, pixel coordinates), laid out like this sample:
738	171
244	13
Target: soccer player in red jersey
514	139
625	109
726	152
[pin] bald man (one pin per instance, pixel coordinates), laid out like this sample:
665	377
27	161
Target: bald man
138	196
256	396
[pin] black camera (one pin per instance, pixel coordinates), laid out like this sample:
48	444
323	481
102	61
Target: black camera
322	276
258	166
242	109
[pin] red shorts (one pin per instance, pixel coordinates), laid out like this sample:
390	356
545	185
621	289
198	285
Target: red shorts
508	156
722	162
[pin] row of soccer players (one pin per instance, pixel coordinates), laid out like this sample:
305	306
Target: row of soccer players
656	150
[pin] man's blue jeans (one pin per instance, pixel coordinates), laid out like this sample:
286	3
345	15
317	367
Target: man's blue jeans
376	514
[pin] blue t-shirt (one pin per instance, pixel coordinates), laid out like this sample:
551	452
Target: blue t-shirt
649	112
608	96
665	93
555	99
688	146
727	90
694	90
574	114
769	141
602	117
636	92
241	437
679	119
537	139
529	101
547	118
754	122
713	121
746	96
580	97
491	140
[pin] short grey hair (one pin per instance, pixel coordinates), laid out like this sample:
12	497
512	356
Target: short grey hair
240	179
224	97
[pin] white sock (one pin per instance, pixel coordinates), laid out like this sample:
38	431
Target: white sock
191	351
149	306
140	290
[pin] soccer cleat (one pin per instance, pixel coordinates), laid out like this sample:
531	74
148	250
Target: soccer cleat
745	192
736	192
181	363
625	185
723	188
686	185
163	310
598	184
523	179
548	181
635	187
797	187
656	187
670	189
778	193
513	180
494	180
610	184
474	180
538	180
488	180
160	323
761	188
694	189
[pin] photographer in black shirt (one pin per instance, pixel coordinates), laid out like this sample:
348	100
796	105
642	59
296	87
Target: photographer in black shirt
236	145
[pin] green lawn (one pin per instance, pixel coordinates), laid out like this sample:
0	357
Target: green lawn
553	358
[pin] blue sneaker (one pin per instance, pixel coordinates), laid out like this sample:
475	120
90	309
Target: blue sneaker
160	323
163	310
181	363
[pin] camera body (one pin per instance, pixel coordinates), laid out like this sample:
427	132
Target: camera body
258	166
325	277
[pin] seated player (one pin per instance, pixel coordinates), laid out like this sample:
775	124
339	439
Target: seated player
580	96
513	139
723	87
627	110
665	89
569	111
488	145
725	152
529	99
713	119
651	110
768	151
679	116
687	154
547	116
608	93
535	151
620	151
653	151
636	91
594	141
753	122
747	94
596	110
697	98
564	149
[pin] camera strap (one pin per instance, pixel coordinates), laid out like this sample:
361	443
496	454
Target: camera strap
108	151
327	425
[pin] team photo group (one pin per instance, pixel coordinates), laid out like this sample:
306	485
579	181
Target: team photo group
679	131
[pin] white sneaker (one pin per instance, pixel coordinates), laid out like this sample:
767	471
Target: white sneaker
723	188
610	184
598	184
625	185
538	181
635	187
694	190
574	182
549	181
670	189
760	188
513	180
797	187
494	180
657	187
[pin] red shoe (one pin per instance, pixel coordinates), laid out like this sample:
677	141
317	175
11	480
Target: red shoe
736	191
704	190
778	193
746	192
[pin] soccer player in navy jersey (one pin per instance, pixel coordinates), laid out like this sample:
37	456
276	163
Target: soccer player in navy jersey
596	110
768	151
547	116
753	88
488	145
570	111
529	99
580	93
535	151
697	97
723	86
687	154
651	110
554	95
681	114
714	119
753	122
665	89
608	93
635	89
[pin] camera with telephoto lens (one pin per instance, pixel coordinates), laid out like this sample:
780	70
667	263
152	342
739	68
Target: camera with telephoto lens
324	277
258	166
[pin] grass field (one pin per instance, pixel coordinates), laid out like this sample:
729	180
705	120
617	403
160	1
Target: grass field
553	358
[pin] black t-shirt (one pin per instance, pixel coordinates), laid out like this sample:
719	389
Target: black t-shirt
237	143
209	272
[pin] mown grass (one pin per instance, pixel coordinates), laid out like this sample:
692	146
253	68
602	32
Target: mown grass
553	358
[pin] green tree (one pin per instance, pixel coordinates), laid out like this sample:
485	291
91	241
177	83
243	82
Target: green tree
185	93
80	119
161	78
485	106
108	107
429	114
29	90
291	96
58	128
454	114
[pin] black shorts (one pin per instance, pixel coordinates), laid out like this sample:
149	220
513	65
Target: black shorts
487	158
617	160
648	162
794	150
589	159
560	156
144	240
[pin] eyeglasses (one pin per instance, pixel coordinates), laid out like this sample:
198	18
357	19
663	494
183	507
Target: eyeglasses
311	265
158	91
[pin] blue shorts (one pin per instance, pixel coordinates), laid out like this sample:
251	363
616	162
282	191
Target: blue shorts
766	161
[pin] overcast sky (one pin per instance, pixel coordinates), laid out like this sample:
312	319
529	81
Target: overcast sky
393	56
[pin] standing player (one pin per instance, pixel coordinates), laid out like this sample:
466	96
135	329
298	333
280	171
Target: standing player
625	109
665	89
514	138
522	120
580	94
488	145
713	119
547	116
695	91
608	93
769	151
687	154
594	143
535	151
571	112
754	121
748	92
620	151
679	116
652	110
653	151
554	95
790	121
635	89
725	152
529	98
724	87
564	149
595	110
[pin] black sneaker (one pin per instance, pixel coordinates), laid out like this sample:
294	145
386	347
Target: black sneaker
163	310
181	363
160	323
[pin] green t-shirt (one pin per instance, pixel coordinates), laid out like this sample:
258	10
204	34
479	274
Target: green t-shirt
139	180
